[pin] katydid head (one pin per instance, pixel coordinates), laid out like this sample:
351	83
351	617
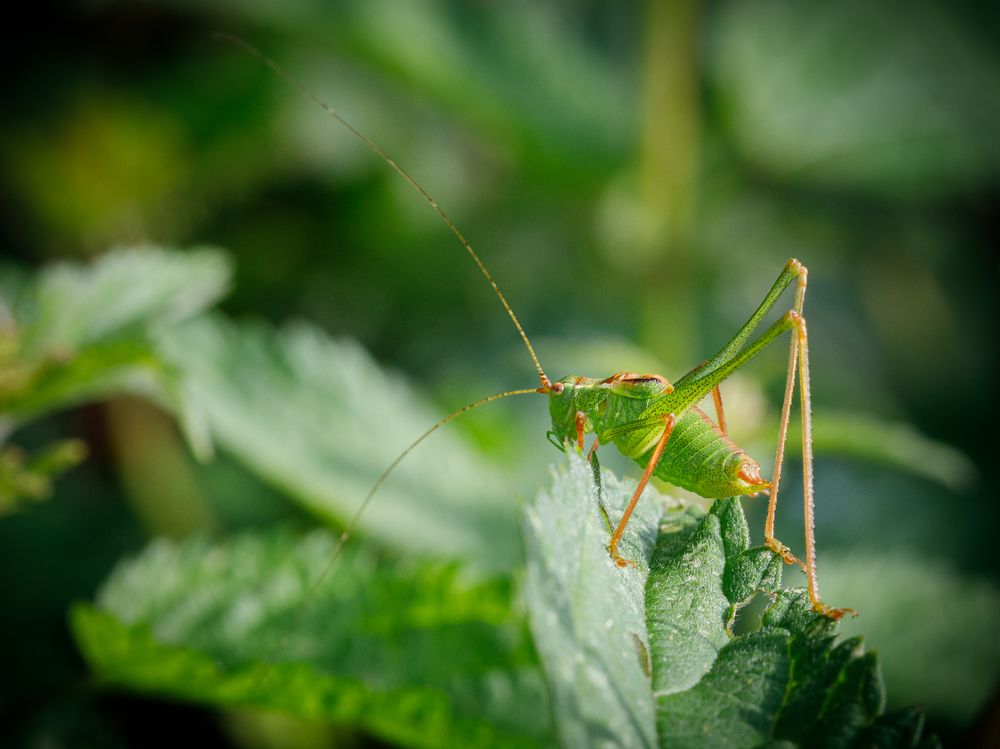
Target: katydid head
569	397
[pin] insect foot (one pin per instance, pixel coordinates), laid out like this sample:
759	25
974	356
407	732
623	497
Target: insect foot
832	613
619	559
784	552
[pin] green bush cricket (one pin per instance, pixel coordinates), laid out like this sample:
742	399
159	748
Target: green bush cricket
651	421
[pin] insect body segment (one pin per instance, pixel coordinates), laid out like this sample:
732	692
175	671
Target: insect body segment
701	459
622	410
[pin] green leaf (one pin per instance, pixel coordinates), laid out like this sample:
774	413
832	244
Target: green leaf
893	444
78	332
934	627
586	615
680	678
411	652
690	616
318	418
128	290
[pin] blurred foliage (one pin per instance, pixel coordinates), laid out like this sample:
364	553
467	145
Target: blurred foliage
406	651
76	334
630	174
230	375
935	601
887	118
413	654
30	478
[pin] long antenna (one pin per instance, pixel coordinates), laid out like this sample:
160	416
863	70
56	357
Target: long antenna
546	385
356	517
377	149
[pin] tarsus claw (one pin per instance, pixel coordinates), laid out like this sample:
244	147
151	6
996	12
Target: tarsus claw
785	553
832	613
620	560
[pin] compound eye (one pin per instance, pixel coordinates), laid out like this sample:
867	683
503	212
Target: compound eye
557	388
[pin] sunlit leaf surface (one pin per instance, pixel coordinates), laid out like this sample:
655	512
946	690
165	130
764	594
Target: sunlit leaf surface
80	332
412	652
321	421
644	656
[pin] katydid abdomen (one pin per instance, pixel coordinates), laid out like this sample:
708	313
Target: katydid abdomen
701	459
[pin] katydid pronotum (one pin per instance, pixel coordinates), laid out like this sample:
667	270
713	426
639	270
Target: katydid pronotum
655	423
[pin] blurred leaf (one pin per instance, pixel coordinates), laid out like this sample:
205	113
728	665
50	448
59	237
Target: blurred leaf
407	651
118	160
77	332
518	72
317	418
24	478
124	291
934	628
522	74
891	444
894	98
618	644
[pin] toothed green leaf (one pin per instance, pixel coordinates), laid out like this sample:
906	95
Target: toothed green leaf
411	652
912	605
644	656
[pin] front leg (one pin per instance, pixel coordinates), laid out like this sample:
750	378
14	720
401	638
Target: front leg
669	420
581	426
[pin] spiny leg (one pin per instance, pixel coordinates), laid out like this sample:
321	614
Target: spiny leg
787	322
786	407
779	458
697	383
720	415
801	334
668	421
798	360
733	356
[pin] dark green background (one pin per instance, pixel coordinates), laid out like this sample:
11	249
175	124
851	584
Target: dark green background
633	174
